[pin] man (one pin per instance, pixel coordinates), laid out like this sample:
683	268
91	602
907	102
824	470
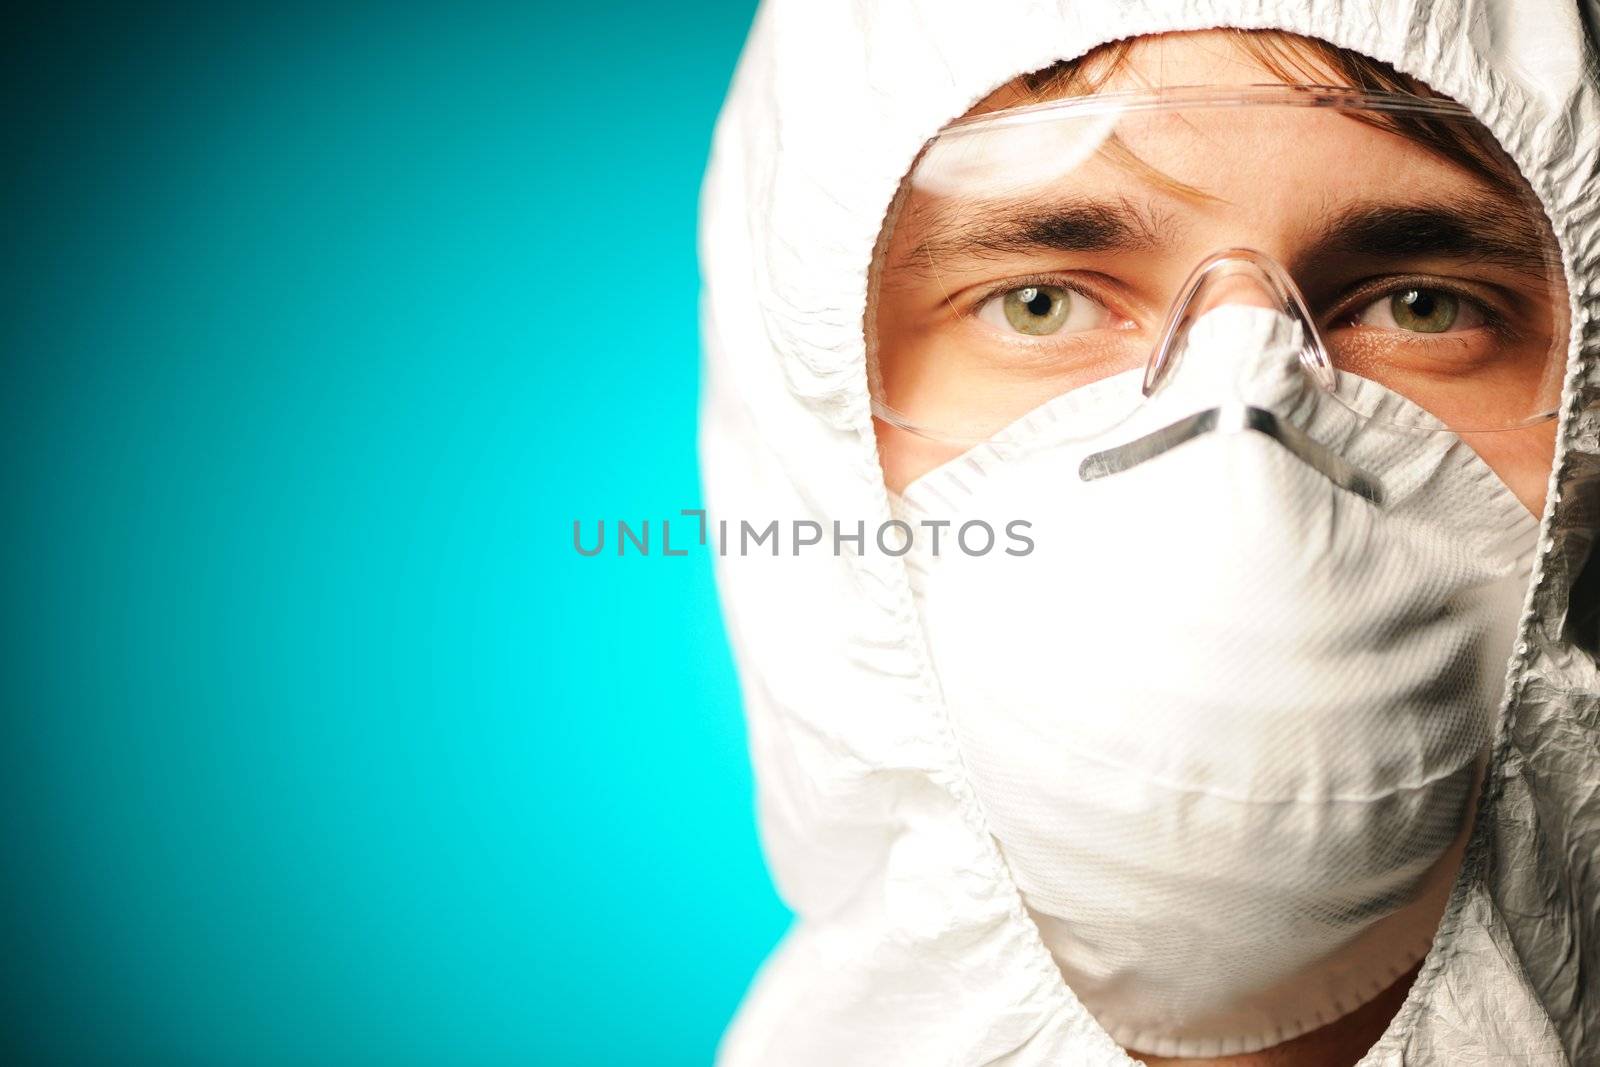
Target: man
1253	756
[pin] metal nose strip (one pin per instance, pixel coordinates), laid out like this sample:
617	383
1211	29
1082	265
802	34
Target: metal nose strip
1233	419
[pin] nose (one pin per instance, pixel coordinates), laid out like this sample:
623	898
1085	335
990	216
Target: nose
1235	277
1237	282
1238	352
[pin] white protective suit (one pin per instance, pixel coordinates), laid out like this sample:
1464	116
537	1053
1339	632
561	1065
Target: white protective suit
911	943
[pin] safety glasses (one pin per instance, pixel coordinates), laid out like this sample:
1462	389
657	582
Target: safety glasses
1035	251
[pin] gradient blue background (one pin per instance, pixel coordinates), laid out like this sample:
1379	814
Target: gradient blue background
320	743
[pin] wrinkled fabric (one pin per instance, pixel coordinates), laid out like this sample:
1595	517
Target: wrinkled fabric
911	944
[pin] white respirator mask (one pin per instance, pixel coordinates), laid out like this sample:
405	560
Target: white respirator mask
1227	720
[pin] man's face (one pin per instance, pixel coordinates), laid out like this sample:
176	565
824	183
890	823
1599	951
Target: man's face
1406	260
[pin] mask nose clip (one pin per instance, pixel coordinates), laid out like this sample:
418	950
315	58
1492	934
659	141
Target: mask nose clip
1235	418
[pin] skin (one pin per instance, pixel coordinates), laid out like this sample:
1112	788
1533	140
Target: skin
927	320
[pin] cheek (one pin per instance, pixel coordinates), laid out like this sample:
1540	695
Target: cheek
1522	459
906	457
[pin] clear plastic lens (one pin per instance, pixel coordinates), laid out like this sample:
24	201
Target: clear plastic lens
1034	252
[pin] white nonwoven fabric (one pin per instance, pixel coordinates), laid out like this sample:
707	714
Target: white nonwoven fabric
911	942
1227	717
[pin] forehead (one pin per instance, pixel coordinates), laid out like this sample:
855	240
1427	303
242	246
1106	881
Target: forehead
1107	175
1299	143
1263	161
1283	177
1227	164
1201	158
1196	57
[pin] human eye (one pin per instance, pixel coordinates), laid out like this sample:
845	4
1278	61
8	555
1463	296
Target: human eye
1040	309
1422	309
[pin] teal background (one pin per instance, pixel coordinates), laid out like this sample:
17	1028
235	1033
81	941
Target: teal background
320	743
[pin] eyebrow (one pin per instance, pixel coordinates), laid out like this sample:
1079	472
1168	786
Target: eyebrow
1478	228
1072	225
1469	228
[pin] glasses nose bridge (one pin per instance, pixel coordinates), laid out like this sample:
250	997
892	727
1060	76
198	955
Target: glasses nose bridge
1237	276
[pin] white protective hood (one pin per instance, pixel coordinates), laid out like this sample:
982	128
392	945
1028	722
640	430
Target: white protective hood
911	944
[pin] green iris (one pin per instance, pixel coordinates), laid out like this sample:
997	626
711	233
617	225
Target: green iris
1424	310
1036	309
